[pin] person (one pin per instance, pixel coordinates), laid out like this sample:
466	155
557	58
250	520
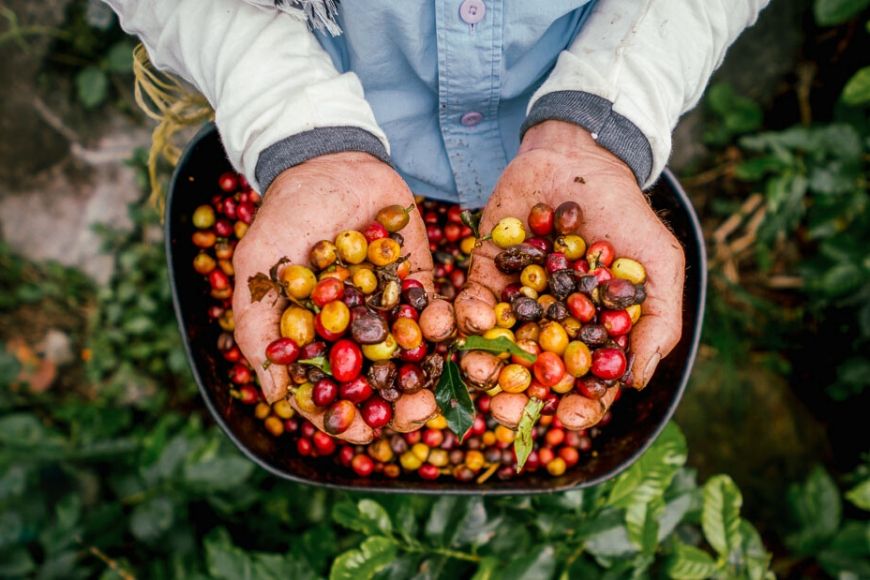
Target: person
501	104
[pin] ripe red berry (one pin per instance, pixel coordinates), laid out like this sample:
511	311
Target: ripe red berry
362	465
357	390
377	412
428	471
375	231
228	181
324	392
617	322
282	351
345	359
608	363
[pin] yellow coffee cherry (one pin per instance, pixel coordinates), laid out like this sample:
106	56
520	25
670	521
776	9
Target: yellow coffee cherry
351	246
335	316
303	399
565	385
634	312
275	426
384	251
514	378
437	422
553	338
261	411
409	461
381	351
629	269
508	232
283	409
420	451
488	438
528	331
529	292
381	451
504	315
323	254
298	323
504	435
573	246
466	246
365	280
439	457
577	358
535	277
499	332
556	467
298	280
474	460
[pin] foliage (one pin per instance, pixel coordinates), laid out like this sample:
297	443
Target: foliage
841	546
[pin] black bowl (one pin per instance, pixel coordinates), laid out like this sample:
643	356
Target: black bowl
638	418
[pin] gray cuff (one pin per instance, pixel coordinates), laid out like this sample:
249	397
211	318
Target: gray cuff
595	114
295	149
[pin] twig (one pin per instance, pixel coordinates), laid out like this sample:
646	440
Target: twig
112	564
806	73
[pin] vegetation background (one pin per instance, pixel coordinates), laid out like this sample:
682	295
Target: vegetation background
109	465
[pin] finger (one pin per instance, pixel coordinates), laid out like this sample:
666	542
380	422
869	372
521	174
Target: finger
438	321
257	325
660	325
359	433
411	411
577	412
474	309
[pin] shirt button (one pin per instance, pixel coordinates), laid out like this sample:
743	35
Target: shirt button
472	11
471	119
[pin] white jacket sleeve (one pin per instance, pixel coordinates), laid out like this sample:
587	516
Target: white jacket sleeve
265	75
642	63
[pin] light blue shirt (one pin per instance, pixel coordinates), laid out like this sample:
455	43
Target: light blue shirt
449	81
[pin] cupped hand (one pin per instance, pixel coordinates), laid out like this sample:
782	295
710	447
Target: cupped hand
307	203
560	162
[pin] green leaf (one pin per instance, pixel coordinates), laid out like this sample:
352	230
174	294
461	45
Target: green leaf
523	443
454	401
374	554
228	562
816	508
16	562
831	12
720	517
641	522
120	57
848	553
471	219
218	472
690	563
92	85
320	362
367	516
539	564
652	473
486	569
152	518
860	495
498	345
857	90
736	113
754	559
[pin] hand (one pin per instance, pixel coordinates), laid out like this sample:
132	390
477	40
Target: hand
310	202
559	162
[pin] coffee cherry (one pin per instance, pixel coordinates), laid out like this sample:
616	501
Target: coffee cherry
377	413
580	307
514	378
324	444
338	417
568	218
577	358
203	263
356	391
282	351
324	392
228	181
362	465
410	378
327	290
351	247
548	368
323	255
334	318
600	253
384	252
508	232
407	333
617	322
298	281
629	269
572	246
608	363
298	324
203	217
393	217
345	360
591	387
375	231
204	239
248	394
303	398
541	219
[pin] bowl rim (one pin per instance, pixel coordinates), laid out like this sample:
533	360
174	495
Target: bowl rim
697	237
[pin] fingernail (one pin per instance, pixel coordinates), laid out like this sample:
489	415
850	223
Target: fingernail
650	368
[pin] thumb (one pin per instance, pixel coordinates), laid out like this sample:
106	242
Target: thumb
652	338
474	305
